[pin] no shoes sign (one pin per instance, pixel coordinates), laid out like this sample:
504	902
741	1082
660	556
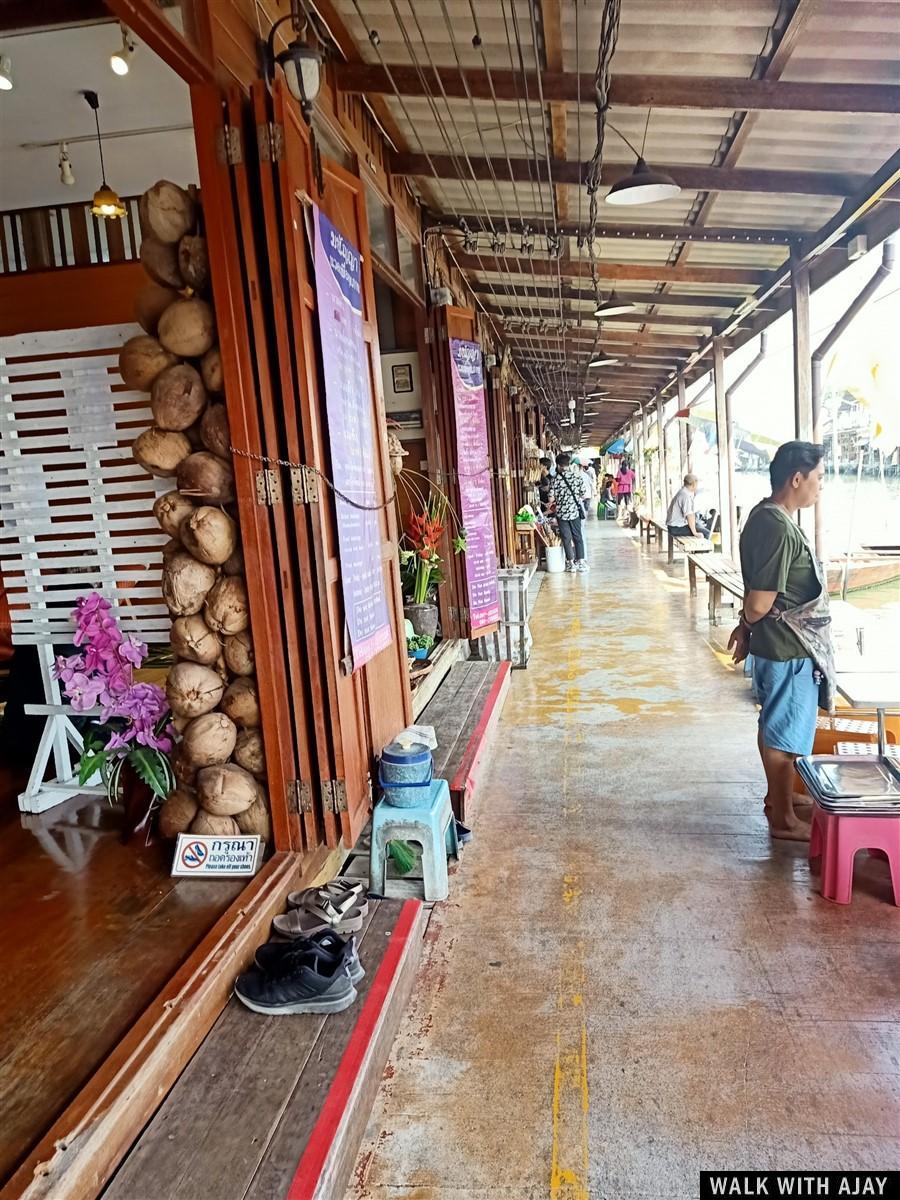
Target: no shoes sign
202	855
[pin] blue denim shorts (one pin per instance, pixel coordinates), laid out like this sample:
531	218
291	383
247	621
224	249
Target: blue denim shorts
789	698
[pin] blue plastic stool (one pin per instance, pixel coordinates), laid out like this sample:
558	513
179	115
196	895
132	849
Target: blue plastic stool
431	825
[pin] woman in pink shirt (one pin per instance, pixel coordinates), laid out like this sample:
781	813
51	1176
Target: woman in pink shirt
625	485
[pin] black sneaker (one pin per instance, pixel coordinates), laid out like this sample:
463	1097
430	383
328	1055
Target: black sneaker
330	947
299	985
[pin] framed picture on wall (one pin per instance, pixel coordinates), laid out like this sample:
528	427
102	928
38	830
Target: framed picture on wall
401	376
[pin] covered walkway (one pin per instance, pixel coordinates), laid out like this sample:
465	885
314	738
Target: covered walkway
631	982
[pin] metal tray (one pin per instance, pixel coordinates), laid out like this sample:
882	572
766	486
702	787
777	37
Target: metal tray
838	778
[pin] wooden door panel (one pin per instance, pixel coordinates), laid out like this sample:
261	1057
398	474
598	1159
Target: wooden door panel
230	293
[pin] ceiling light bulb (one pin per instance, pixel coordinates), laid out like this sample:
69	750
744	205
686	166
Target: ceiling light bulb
66	171
6	80
120	61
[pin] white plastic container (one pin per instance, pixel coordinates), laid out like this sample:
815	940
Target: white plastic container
556	560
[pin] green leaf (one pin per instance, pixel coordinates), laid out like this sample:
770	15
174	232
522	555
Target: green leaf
149	767
90	764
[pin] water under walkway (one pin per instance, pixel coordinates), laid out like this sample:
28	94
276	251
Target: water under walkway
630	981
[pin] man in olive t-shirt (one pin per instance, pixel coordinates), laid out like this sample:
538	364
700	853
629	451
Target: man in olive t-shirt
779	572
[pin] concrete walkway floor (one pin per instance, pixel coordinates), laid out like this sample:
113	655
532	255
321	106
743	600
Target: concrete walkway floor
630	982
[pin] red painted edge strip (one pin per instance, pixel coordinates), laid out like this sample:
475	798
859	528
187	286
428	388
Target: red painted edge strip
470	756
312	1162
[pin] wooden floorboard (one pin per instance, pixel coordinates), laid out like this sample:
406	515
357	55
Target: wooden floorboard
456	714
214	1133
89	940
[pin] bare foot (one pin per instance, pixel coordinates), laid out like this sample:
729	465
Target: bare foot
803	809
794	831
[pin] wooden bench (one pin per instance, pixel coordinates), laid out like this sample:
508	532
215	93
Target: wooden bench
722	576
652	527
465	712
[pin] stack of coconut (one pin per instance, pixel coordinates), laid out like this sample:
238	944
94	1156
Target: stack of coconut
219	762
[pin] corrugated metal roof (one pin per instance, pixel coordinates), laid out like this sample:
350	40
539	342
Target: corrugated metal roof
836	41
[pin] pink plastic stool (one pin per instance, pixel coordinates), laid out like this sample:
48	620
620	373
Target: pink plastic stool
836	837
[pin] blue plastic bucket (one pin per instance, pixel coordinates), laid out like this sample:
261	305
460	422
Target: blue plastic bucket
405	774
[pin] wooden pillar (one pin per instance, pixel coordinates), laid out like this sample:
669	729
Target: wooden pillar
725	498
663	462
802	351
645	462
684	434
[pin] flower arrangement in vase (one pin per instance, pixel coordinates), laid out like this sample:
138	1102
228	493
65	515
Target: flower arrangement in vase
134	730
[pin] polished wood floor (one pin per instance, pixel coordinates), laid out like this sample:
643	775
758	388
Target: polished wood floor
90	930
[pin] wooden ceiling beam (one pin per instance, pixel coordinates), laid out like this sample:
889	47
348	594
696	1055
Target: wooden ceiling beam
743	235
526	294
551	25
580	269
626	91
24	16
686	324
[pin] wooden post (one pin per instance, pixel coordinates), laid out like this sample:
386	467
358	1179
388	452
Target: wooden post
802	351
645	463
725	499
684	432
663	461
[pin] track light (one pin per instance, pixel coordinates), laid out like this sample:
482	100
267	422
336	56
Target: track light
121	60
66	171
6	79
613	307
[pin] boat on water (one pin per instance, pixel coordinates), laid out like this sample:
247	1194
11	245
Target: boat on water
876	565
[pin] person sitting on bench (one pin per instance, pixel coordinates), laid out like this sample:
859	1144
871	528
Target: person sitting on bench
681	519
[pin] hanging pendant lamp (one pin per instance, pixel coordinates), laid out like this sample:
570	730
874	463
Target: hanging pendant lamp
644	185
613	307
106	202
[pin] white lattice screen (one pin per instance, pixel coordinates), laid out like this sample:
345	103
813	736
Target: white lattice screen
75	507
75	512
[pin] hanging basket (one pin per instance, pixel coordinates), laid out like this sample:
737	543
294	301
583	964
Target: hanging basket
396	453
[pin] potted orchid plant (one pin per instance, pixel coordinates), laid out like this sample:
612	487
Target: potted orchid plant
421	563
129	745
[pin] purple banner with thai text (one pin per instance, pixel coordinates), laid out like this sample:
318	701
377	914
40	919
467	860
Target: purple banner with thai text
473	468
348	403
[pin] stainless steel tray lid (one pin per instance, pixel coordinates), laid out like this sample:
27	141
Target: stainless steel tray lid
839	777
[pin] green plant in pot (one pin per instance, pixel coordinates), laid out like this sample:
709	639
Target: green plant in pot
421	564
419	645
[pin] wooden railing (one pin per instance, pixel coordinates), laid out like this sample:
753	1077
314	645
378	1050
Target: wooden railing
66	235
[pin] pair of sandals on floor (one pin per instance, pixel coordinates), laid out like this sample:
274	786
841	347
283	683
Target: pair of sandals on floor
338	906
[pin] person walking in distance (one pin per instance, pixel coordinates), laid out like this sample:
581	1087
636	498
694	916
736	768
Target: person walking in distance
570	491
785	625
625	485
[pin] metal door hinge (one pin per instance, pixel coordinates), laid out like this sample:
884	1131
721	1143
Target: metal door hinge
228	145
270	140
334	795
429	335
268	488
304	486
300	796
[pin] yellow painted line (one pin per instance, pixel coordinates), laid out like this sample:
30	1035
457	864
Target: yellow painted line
570	1161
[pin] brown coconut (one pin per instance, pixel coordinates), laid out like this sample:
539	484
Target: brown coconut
205	822
222	667
170	510
188	327
209	740
177	397
248	751
241	702
235	564
178	811
256	819
193	261
186	584
209	534
193	640
172	547
185	771
226	606
160	451
141	359
167	211
193	689
160	261
238	651
150	303
211	370
225	790
214	430
206	477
